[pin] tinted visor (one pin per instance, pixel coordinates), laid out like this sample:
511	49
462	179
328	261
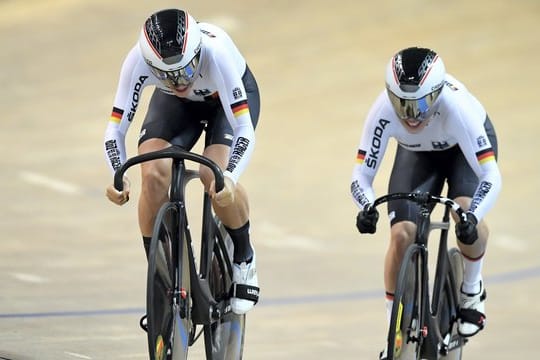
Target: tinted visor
180	77
413	109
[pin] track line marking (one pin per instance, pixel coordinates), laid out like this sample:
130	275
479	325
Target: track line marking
29	278
50	183
526	274
80	356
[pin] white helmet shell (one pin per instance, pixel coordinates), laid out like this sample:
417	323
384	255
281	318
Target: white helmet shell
170	40
414	73
414	81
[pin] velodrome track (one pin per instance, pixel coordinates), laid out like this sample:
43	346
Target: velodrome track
71	263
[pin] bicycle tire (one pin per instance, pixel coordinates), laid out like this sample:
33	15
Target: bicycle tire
168	288
405	332
456	262
224	339
456	342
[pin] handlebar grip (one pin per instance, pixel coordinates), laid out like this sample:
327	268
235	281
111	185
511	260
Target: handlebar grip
220	181
119	180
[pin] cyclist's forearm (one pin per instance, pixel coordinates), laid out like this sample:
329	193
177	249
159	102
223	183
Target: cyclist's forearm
114	147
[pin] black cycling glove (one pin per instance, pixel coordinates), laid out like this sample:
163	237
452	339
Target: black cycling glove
366	220
466	231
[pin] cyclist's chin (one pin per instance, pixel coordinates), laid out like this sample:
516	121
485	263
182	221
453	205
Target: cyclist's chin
181	91
414	126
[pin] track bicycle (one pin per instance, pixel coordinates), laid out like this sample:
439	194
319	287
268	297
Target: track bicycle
181	293
424	326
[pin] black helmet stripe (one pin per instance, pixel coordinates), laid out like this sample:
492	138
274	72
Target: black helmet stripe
412	65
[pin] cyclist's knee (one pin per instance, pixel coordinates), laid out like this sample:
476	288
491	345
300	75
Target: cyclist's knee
483	231
206	176
402	235
155	177
219	154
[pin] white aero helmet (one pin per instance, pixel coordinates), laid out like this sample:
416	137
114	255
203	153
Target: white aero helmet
414	81
170	43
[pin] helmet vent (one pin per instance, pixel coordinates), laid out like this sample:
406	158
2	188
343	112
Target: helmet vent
165	31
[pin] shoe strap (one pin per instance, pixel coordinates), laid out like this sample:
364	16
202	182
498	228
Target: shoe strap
245	292
473	316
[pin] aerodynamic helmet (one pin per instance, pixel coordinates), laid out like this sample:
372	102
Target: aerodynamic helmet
170	42
414	81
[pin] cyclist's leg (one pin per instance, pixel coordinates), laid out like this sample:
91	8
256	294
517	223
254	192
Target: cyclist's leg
218	141
462	186
475	251
155	177
235	217
401	236
462	183
412	171
168	121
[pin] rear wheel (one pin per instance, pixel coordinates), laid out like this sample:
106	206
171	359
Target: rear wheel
224	339
456	261
448	325
406	323
168	289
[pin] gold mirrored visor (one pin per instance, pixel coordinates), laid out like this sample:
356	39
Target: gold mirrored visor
413	108
181	77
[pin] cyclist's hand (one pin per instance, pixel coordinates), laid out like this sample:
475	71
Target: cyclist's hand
226	196
119	197
366	220
466	231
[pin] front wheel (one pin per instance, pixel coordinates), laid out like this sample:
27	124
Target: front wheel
224	338
168	288
405	335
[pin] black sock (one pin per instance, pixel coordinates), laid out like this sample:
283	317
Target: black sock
146	242
242	248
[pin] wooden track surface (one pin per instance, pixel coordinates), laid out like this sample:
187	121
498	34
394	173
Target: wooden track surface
72	269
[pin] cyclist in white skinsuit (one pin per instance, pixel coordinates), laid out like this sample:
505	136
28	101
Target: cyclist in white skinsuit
202	83
443	134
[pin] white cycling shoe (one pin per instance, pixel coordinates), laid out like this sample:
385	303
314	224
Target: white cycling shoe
245	287
472	316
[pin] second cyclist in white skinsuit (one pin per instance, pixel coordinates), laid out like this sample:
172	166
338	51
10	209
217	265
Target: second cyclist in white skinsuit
203	84
443	135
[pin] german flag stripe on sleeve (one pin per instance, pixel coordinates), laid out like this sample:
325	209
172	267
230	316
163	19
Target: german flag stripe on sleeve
485	156
240	108
360	156
116	115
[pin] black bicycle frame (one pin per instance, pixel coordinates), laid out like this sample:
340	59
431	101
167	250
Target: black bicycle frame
431	315
429	348
202	297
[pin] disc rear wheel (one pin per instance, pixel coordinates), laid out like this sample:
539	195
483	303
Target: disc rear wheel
448	324
224	339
